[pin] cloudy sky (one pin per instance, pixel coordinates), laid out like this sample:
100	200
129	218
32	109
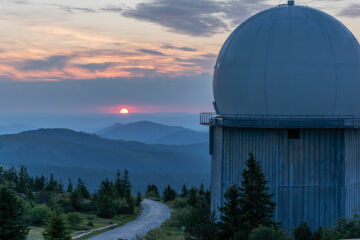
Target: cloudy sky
95	56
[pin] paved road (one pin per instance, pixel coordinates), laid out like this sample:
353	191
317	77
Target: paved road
153	214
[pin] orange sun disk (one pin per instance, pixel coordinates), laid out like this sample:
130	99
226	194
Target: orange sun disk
124	111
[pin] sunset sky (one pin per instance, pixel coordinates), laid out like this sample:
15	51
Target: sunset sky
97	56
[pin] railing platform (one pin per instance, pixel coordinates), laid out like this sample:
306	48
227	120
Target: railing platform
279	121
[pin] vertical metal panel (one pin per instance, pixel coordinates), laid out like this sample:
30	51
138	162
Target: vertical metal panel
216	169
352	172
305	175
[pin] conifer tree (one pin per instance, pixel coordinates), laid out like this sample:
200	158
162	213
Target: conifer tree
130	201
23	182
69	187
229	226
169	194
184	191
257	207
201	224
303	232
126	181
202	189
138	199
57	229
42	182
12	222
152	191
60	187
106	196
119	184
193	198
81	187
76	200
52	185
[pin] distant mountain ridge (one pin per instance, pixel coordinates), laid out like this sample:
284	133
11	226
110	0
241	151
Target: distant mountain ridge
68	148
76	154
153	133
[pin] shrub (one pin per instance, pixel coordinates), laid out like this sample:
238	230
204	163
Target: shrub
39	215
180	202
303	232
75	219
179	217
344	229
266	233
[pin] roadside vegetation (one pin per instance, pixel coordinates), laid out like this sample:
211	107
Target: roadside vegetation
40	207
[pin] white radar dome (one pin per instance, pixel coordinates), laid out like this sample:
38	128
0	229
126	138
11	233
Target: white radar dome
289	60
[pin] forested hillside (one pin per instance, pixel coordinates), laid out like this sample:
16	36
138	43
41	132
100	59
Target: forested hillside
71	154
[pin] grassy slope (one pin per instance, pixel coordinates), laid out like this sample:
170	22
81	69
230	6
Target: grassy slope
166	231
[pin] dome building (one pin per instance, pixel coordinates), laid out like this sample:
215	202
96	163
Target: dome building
286	88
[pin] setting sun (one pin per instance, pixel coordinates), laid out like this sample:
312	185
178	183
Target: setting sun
124	111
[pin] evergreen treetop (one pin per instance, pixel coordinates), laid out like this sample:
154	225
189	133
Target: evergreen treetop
12	222
256	205
57	229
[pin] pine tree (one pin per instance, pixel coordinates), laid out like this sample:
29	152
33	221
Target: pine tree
126	181
130	201
184	191
52	185
69	187
303	232
76	200
152	191
202	189
57	229
119	184
200	224
106	199
257	207
22	185
60	187
138	199
230	214
12	222
193	198
81	187
169	194
42	182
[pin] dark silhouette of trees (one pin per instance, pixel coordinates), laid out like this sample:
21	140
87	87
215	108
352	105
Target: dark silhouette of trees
138	200
82	189
193	198
152	192
303	232
70	186
12	222
169	194
184	191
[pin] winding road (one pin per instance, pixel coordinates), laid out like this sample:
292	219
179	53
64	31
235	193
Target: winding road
153	214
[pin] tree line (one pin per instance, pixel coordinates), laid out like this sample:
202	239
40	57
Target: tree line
43	201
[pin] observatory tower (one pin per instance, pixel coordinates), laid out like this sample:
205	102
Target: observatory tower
286	88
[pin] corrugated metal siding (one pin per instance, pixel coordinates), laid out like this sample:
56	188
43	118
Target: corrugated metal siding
305	175
352	172
216	168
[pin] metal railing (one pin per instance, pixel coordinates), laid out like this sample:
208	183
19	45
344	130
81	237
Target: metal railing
282	121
